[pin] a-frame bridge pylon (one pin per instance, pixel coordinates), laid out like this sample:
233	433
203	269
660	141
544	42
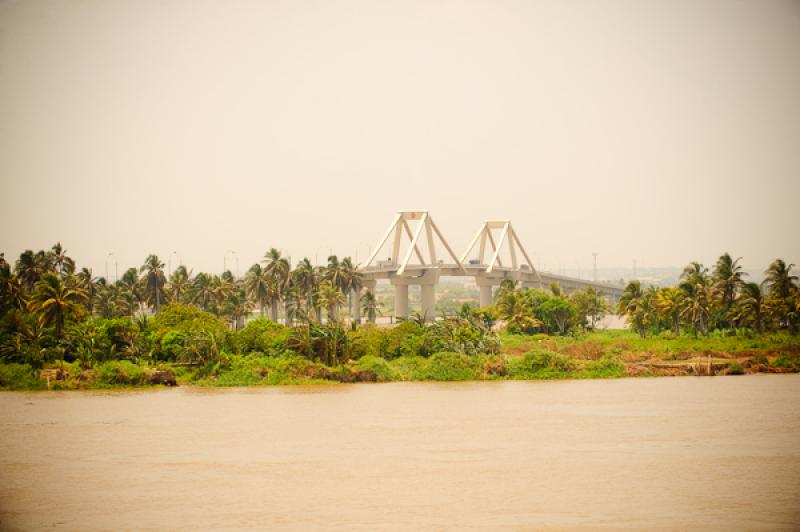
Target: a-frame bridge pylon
507	236
426	255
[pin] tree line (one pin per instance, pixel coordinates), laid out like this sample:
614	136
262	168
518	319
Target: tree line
720	299
304	292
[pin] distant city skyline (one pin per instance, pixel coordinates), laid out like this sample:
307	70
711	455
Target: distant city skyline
661	132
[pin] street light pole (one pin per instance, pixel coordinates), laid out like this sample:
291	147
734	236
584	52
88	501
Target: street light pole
169	262
235	256
116	267
594	270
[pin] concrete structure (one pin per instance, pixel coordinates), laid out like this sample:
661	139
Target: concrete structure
427	269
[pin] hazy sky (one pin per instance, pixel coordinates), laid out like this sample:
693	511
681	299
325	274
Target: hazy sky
656	131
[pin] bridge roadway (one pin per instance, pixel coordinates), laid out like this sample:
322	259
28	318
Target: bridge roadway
427	277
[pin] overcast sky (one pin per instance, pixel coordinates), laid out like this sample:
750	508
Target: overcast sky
657	131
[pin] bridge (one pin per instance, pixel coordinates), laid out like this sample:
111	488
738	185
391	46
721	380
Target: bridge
484	260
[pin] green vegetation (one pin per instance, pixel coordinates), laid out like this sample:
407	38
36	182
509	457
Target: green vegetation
62	329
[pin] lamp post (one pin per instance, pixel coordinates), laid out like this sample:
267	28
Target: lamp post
316	255
594	267
236	256
116	267
169	263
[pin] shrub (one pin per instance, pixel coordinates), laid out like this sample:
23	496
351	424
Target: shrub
120	373
785	361
734	368
19	377
540	364
377	366
260	335
448	366
606	366
410	368
492	366
368	340
170	329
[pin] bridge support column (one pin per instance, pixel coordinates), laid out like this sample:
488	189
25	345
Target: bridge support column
400	301
428	301
485	285
486	295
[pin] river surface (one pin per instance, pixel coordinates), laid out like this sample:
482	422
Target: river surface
671	453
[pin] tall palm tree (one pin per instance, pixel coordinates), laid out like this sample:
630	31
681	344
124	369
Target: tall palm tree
695	273
669	303
334	273
750	307
257	285
202	290
697	305
352	280
53	302
179	284
12	293
279	271
59	261
779	279
330	297
370	306
153	281
293	305
29	268
633	306
728	281
306	278
88	283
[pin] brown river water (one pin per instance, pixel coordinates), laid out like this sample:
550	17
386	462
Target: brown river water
669	453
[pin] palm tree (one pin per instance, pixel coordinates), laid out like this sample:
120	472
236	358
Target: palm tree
105	301
179	284
202	290
293	305
12	293
370	306
352	280
59	261
278	270
779	280
53	302
669	303
257	285
330	297
29	269
154	281
750	306
727	277
631	304
512	308
306	278
697	305
236	306
88	283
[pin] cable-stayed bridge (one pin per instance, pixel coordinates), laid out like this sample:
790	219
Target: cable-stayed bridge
412	257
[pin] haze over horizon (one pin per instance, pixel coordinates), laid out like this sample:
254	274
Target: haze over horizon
663	132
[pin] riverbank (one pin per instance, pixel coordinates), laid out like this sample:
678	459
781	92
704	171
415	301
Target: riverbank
600	354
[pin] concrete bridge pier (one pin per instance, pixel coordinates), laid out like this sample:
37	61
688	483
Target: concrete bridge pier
486	286
486	294
427	282
400	301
